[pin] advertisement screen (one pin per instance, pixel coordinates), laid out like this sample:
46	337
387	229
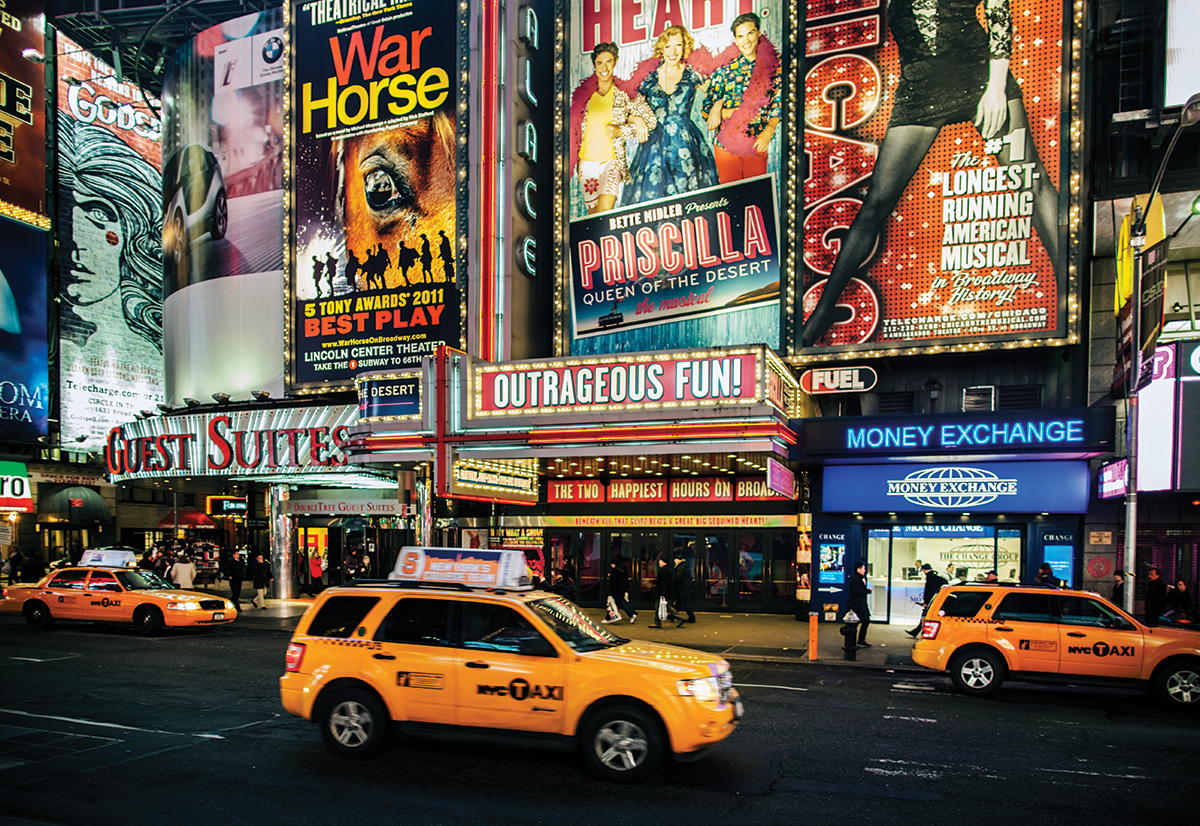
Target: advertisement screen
222	203
674	167
374	135
24	360
23	112
932	212
110	242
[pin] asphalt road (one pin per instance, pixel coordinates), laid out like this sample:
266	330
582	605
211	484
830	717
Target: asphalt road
101	726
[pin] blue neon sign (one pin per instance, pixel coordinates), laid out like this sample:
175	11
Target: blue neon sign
1074	431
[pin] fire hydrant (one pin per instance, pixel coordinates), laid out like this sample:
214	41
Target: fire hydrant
850	632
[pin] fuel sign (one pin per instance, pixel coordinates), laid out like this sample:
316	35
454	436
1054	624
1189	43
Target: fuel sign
820	380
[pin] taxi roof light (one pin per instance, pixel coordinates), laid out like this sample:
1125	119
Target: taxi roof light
464	568
109	558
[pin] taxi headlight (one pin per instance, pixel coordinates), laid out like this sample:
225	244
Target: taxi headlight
704	689
183	606
228	605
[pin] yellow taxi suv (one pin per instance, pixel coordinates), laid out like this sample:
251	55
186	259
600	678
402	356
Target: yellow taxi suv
456	645
983	635
105	587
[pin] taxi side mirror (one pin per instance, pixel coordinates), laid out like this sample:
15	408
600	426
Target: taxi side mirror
536	647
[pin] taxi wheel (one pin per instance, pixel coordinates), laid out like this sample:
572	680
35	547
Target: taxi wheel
37	615
149	621
977	672
622	744
354	723
1178	684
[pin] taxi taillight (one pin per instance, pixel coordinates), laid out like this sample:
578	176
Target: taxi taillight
294	656
929	629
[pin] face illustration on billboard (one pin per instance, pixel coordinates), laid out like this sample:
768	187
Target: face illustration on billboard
110	240
222	202
935	145
674	173
375	138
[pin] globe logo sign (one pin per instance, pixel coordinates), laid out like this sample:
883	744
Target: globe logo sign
954	487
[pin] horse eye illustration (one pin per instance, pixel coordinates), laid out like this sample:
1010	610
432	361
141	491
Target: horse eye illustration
385	191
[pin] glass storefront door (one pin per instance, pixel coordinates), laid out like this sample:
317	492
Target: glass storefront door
959	553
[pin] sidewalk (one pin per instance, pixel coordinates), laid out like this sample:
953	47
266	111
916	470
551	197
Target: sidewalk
775	638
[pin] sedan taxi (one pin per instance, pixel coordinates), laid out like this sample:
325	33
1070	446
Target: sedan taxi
105	588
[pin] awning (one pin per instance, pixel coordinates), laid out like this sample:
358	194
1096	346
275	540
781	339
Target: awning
77	504
188	520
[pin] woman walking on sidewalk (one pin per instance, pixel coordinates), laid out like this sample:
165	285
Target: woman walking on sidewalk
664	590
683	586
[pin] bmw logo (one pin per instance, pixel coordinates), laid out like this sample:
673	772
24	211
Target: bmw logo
272	50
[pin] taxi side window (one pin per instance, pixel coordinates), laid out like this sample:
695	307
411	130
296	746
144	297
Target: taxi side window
964	604
1084	611
69	579
103	581
487	627
417	622
1024	607
339	616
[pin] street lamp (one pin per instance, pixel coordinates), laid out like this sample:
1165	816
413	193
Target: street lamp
1137	240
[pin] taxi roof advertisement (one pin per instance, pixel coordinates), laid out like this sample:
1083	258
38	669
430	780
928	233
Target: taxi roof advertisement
672	195
950	234
374	141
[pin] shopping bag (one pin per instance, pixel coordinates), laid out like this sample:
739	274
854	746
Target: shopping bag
613	613
662	609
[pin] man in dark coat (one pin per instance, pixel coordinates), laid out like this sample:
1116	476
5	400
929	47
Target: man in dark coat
1156	597
858	601
618	587
235	572
260	572
933	584
664	588
683	587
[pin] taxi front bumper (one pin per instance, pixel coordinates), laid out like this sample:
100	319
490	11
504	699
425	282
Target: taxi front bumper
704	724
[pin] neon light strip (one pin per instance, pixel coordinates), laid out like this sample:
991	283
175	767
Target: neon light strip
488	224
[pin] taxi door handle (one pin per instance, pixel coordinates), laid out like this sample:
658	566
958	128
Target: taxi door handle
1075	634
1003	628
477	664
384	656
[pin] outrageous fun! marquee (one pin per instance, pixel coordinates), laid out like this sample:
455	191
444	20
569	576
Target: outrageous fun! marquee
936	149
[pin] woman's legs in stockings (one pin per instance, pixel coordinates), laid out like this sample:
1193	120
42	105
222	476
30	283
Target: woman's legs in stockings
1045	196
900	154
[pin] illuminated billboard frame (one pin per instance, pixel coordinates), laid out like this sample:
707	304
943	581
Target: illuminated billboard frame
790	167
462	43
1070	176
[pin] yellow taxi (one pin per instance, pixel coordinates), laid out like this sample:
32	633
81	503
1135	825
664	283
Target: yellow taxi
105	587
456	645
984	634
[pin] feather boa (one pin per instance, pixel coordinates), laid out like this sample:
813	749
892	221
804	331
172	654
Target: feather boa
733	131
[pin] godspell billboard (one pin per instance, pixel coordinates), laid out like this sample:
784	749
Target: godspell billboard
674	170
935	144
374	113
110	241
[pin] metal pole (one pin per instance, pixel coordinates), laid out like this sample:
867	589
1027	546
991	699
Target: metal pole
282	556
1137	241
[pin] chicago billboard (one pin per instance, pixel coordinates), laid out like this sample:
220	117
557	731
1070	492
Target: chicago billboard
674	169
24	360
23	113
935	143
222	206
375	106
110	240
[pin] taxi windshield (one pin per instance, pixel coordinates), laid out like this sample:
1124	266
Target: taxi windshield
141	580
574	627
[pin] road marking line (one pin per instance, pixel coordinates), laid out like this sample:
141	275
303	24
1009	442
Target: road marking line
924	774
780	687
910	719
1098	774
913	687
45	659
107	725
